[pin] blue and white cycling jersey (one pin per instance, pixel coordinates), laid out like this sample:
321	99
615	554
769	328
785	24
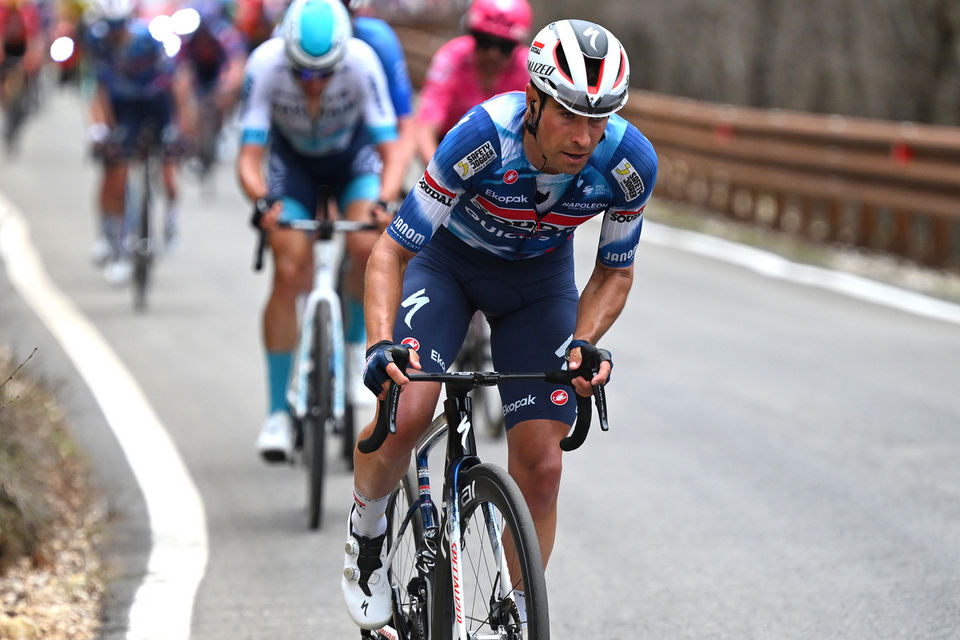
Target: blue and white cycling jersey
355	97
481	187
385	43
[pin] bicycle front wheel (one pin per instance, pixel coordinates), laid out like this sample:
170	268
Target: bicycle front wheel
491	568
410	597
142	251
319	411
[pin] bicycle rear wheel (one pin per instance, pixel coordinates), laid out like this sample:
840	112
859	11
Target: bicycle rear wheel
142	251
491	501
319	412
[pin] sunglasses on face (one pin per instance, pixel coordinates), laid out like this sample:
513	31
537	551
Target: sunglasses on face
487	41
306	74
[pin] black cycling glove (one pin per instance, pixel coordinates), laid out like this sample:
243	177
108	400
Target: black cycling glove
378	357
590	357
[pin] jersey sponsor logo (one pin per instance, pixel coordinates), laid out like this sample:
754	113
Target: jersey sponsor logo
414	301
510	177
624	256
411	342
405	231
529	401
476	160
585	206
559	397
540	68
517	199
434	191
628	179
622	216
435	356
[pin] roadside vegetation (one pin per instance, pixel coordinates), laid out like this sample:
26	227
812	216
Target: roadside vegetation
51	582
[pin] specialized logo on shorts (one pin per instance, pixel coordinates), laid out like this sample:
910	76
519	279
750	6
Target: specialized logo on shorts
476	160
415	301
629	180
559	397
413	343
510	177
529	401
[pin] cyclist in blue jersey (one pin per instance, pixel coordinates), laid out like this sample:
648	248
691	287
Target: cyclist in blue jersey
138	87
490	226
316	99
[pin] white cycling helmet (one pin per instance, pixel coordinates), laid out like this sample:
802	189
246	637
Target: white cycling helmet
315	34
582	66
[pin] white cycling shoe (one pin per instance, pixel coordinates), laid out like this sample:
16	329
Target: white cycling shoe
118	272
366	589
275	441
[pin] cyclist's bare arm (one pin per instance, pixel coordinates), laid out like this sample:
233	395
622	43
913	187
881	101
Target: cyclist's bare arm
250	171
384	287
394	167
600	305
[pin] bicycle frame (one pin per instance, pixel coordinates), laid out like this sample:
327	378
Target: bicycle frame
461	455
324	289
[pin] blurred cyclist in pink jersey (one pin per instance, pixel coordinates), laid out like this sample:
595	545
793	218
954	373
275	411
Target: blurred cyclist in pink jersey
490	59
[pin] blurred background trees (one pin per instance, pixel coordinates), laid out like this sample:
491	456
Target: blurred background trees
890	59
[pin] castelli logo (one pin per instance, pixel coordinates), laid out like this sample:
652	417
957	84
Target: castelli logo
559	397
510	176
412	343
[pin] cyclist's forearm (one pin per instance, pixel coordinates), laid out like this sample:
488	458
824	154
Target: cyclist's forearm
602	301
250	172
391	180
383	288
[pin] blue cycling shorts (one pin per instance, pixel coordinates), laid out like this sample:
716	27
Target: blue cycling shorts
531	306
132	116
351	175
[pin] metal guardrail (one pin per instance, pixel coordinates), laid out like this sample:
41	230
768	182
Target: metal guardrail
884	186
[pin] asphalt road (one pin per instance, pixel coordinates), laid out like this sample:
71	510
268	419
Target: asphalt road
782	460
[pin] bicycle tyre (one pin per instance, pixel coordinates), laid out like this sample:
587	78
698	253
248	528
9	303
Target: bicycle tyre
141	250
319	411
409	617
481	486
348	431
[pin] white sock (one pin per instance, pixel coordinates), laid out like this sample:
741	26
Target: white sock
369	516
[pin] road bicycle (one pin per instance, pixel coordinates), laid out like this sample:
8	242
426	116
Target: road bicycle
454	569
317	390
475	355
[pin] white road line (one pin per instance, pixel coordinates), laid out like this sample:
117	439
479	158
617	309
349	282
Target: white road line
774	266
163	605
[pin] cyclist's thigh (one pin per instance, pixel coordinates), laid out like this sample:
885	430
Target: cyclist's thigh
360	182
434	311
290	179
533	338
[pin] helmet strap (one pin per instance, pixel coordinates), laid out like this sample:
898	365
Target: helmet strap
532	127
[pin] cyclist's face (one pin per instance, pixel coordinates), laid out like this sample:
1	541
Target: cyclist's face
564	138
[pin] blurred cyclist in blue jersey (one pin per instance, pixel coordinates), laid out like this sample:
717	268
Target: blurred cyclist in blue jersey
138	88
315	105
490	226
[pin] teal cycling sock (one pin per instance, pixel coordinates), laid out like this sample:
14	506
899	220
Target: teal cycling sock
278	372
355	332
